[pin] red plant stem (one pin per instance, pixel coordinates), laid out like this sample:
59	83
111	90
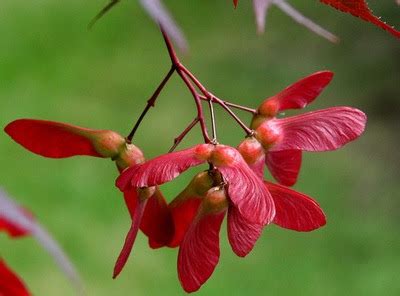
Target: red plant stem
237	106
179	138
151	102
214	129
211	97
200	114
177	65
240	107
172	54
248	130
188	78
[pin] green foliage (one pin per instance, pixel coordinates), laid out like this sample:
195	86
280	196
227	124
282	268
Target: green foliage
53	68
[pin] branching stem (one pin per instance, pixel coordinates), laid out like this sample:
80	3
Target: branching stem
179	138
178	66
192	83
150	103
214	129
236	106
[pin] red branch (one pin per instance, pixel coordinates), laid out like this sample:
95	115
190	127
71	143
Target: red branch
150	103
192	83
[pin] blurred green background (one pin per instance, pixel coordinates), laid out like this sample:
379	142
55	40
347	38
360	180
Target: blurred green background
51	67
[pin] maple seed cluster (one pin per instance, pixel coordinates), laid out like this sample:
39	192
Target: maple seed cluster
234	184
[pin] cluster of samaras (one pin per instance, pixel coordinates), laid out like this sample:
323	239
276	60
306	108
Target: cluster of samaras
233	185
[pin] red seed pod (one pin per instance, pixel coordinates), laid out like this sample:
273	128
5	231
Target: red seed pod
204	151
223	156
251	150
215	201
197	188
107	143
128	156
267	135
269	108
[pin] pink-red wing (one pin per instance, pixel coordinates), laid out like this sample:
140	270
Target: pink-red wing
131	200
247	192
199	251
295	210
321	130
183	214
284	165
258	167
303	92
130	239
51	139
242	234
157	221
158	170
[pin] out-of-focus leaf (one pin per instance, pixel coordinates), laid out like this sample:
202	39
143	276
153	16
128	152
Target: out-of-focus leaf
13	213
359	8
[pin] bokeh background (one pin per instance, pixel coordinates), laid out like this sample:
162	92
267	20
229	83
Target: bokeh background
51	67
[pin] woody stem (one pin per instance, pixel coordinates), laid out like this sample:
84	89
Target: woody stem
188	78
150	103
179	138
214	128
178	67
236	106
247	130
211	97
240	107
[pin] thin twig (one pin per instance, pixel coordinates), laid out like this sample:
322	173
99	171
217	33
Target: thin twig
240	107
200	113
205	92
172	54
248	130
178	66
237	106
208	95
214	129
102	12
150	103
179	138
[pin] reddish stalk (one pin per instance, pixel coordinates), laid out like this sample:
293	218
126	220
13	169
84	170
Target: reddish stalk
179	138
176	63
185	74
191	83
213	125
151	102
248	130
200	113
211	97
236	106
